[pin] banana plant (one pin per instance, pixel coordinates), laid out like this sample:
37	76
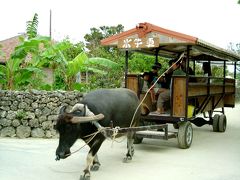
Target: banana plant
81	63
32	46
52	55
12	76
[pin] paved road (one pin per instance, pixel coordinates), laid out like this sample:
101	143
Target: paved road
212	156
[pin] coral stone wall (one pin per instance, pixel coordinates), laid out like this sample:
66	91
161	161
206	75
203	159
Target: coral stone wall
32	113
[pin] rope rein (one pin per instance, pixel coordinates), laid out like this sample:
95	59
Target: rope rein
91	136
87	142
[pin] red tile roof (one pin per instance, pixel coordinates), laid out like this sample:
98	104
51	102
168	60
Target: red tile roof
7	46
171	43
145	28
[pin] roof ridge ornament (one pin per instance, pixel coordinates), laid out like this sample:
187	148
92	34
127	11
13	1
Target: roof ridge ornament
143	29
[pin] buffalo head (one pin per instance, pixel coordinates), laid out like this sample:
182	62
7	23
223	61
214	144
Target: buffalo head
68	126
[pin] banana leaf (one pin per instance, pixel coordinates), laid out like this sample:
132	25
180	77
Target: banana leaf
77	64
31	45
102	62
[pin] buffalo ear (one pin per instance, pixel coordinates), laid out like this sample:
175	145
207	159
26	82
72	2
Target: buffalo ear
63	109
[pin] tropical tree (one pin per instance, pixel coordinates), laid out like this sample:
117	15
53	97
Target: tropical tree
19	71
73	49
58	58
93	45
108	75
95	49
81	63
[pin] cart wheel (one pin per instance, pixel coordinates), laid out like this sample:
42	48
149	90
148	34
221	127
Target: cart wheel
216	123
222	124
185	135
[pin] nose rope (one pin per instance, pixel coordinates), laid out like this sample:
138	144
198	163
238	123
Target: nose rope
181	56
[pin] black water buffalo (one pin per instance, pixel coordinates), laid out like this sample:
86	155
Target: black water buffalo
107	106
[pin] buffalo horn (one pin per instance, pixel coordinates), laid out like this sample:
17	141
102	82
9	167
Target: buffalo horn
84	119
77	107
63	109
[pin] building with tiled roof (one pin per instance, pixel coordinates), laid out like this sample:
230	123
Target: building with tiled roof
7	46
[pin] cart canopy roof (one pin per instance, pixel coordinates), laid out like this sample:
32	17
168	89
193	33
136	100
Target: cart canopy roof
151	39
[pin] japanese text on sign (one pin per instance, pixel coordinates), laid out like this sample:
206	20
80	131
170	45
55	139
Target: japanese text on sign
133	43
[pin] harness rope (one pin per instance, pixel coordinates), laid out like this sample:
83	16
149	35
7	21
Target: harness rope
87	142
91	136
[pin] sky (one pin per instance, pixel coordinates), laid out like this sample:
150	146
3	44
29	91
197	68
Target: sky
214	21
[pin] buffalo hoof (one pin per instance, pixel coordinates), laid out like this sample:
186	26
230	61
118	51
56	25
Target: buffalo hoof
127	159
95	167
84	177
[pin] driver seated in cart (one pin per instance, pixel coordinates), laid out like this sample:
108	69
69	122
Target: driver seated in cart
160	92
164	96
176	68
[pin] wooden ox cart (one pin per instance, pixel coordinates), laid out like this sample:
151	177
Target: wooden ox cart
196	102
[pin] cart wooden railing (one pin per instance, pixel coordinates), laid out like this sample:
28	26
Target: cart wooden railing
213	93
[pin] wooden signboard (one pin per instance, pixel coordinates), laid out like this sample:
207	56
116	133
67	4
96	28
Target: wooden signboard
135	43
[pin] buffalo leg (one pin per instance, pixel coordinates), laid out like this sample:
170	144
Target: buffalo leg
130	147
96	164
92	157
86	172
